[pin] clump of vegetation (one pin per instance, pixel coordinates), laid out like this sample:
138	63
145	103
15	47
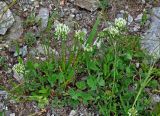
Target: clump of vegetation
105	70
30	39
3	61
31	20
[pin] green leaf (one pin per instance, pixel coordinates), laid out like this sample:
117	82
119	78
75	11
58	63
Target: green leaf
86	97
52	79
71	75
156	109
93	32
105	69
36	65
153	84
74	94
101	81
93	65
42	102
43	90
20	60
1	114
92	82
81	85
61	77
129	56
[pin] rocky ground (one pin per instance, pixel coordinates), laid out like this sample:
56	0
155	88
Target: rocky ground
143	18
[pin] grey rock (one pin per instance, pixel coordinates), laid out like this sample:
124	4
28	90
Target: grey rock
155	98
138	18
82	111
130	19
90	5
73	10
8	112
43	16
156	12
3	98
62	14
120	15
141	1
6	18
71	16
16	30
136	27
151	38
26	4
36	4
14	33
12	114
147	23
73	113
3	95
78	17
23	51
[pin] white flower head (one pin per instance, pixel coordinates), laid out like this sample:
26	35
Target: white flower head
132	112
80	35
112	30
87	47
19	68
62	30
120	22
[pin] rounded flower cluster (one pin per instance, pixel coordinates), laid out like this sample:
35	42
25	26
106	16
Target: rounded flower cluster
80	35
132	112
19	68
62	30
120	22
113	30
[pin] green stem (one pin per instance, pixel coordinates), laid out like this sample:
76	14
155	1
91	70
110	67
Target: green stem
146	81
63	56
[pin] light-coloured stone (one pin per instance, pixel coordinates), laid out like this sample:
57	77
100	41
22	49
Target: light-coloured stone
16	30
23	51
13	34
130	19
138	18
43	16
13	114
6	18
136	27
3	97
90	5
155	98
151	38
73	113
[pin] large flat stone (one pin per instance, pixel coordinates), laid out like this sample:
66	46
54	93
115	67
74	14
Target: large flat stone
43	16
90	5
151	38
6	18
16	30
